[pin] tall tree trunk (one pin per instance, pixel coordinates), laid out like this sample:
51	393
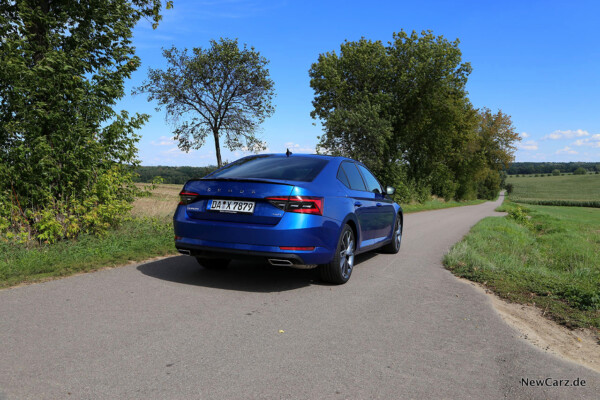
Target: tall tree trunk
40	30
217	148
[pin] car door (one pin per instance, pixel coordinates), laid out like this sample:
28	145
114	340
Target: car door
365	206
384	213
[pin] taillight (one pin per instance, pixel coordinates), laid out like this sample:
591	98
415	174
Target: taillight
294	248
187	197
298	204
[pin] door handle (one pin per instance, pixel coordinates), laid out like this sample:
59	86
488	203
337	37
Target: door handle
357	204
379	204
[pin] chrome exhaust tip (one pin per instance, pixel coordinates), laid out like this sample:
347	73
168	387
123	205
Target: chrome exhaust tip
184	252
280	263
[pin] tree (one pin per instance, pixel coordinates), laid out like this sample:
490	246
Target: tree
580	171
495	149
223	90
63	65
556	172
354	102
403	110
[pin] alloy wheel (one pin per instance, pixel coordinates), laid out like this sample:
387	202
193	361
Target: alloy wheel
347	254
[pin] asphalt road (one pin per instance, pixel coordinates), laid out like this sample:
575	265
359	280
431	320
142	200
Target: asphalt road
402	328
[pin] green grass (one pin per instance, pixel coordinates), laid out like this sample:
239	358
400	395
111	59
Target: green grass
135	240
547	256
437	204
568	190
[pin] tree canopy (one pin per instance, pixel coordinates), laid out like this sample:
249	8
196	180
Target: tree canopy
402	109
223	91
62	68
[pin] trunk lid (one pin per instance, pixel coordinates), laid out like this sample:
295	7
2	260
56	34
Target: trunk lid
248	190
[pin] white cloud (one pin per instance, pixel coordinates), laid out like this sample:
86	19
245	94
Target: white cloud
528	145
568	134
172	150
297	148
566	150
593	141
524	135
163	141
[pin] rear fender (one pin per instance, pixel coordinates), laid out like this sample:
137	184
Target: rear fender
353	222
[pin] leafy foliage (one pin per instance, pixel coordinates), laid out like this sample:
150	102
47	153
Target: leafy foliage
222	90
64	152
403	110
509	188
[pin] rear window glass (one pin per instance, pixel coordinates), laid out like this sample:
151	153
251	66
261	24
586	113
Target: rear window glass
296	168
356	182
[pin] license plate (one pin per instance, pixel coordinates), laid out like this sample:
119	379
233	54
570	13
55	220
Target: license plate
231	206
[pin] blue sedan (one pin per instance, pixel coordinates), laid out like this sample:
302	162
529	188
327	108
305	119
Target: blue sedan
300	211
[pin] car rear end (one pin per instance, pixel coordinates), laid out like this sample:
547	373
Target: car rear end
261	207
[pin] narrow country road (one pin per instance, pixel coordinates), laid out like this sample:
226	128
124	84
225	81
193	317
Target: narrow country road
402	328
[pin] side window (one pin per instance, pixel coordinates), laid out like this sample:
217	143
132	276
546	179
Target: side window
343	178
354	178
372	183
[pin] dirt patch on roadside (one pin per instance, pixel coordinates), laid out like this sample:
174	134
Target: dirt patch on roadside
580	345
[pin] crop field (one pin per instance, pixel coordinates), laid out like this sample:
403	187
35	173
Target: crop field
567	190
161	204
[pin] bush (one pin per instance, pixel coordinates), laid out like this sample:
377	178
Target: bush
519	214
556	172
105	205
509	188
580	171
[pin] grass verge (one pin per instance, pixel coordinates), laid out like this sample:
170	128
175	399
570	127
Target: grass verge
540	255
135	240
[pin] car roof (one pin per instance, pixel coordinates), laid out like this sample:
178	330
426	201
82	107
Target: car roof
321	156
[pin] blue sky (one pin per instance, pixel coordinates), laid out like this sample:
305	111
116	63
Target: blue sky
538	61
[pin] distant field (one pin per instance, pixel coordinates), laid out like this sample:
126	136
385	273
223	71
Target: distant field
568	190
161	204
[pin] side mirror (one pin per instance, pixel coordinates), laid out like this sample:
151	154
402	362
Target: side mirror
389	190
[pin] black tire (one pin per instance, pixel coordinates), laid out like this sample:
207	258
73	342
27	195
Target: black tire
338	271
213	263
394	246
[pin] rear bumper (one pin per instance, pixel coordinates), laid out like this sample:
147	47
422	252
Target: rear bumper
208	249
224	239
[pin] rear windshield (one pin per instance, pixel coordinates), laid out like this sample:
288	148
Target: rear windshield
296	168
